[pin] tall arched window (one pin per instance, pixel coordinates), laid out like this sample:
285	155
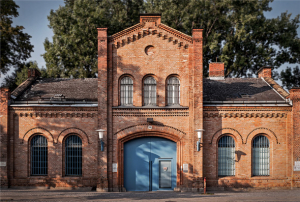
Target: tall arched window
73	155
226	156
173	91
149	91
39	155
261	156
126	91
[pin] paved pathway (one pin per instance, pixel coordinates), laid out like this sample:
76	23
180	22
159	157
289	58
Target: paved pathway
68	195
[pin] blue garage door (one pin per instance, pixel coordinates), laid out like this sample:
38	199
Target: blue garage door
150	164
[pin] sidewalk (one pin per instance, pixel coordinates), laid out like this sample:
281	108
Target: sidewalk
166	196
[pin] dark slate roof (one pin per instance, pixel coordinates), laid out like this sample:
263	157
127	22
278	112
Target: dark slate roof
239	89
69	89
23	86
229	89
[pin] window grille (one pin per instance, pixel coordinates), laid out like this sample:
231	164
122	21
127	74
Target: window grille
173	91
39	155
73	155
261	156
226	156
126	91
149	91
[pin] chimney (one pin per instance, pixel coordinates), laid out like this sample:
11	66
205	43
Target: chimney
265	72
216	71
33	73
153	19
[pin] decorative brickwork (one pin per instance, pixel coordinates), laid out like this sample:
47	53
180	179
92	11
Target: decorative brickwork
242	108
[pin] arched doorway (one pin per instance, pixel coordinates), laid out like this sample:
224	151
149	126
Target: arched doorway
150	164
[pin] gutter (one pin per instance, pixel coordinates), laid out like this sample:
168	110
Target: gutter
53	104
254	103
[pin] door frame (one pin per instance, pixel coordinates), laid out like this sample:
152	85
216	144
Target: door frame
120	152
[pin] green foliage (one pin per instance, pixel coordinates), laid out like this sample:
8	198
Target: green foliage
74	47
236	32
15	45
21	74
290	78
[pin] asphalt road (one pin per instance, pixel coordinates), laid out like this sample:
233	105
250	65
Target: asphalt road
166	196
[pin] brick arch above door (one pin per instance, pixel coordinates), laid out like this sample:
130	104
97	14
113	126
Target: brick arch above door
160	130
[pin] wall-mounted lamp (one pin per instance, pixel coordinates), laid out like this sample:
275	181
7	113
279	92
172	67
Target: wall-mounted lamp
199	134
101	131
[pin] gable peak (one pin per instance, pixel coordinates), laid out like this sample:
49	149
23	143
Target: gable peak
153	19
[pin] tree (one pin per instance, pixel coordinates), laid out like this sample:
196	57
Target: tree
74	47
15	45
290	78
21	74
236	32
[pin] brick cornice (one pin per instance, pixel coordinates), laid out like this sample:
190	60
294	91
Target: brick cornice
245	115
56	115
162	32
239	109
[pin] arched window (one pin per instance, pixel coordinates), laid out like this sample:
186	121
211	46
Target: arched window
149	91
261	156
173	91
39	155
226	156
73	155
126	91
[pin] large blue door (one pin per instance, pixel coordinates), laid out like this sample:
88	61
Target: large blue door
150	164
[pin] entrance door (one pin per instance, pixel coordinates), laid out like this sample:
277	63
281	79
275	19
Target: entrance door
150	164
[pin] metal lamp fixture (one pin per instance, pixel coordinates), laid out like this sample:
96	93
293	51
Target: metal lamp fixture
199	134
101	131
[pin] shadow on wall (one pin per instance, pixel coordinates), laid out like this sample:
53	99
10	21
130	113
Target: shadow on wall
20	172
239	154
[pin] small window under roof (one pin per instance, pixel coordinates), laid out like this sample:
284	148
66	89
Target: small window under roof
244	95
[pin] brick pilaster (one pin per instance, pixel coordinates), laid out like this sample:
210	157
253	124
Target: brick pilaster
102	108
4	102
295	97
198	104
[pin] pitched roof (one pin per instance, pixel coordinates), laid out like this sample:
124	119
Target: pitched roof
239	89
68	89
229	89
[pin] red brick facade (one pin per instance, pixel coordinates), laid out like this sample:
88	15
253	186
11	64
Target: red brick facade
151	49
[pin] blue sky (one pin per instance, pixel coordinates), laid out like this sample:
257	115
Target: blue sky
33	16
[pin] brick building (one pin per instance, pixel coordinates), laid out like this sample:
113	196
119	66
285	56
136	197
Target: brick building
151	100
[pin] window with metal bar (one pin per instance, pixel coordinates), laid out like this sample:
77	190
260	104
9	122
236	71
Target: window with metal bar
149	91
173	91
73	156
260	156
226	156
126	91
39	155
